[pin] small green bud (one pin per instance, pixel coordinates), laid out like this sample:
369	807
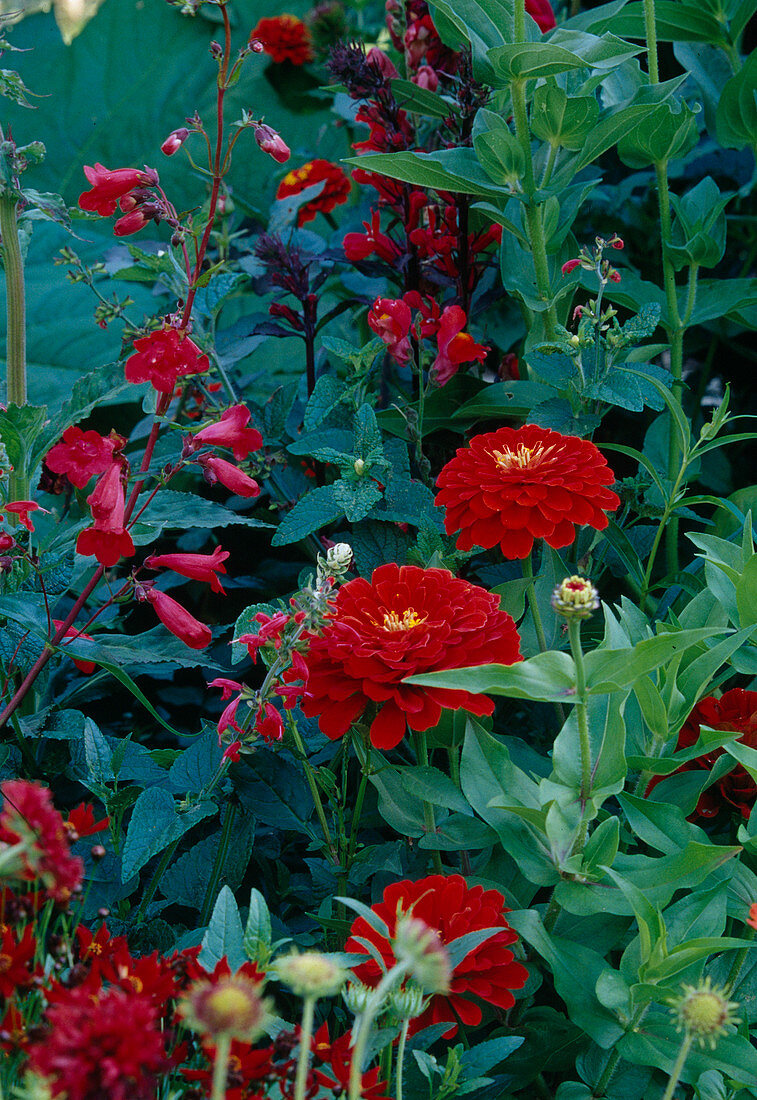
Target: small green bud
575	598
310	974
704	1012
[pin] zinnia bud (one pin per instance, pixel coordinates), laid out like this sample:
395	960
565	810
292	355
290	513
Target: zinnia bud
424	954
310	974
704	1012
272	143
575	598
231	1006
174	141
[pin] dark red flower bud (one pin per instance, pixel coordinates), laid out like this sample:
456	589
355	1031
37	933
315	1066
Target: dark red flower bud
174	141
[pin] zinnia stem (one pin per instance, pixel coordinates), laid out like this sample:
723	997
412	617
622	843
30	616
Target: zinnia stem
372	1008
680	1062
313	784
16	311
357	813
218	862
221	1066
303	1058
528	573
421	753
401	1058
582	716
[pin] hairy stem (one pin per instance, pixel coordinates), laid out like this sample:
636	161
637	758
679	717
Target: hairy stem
221	1066
313	784
303	1058
16	312
680	1062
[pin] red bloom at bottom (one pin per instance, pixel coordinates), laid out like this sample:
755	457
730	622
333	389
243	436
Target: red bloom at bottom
106	1045
404	621
451	909
736	711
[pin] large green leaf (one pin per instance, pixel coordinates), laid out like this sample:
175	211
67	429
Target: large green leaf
155	823
549	677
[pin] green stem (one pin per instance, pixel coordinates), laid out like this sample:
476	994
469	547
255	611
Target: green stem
552	913
421	754
739	961
357	814
303	1058
650	28
547	176
372	1008
527	566
612	1062
218	863
16	311
582	716
160	870
401	1059
221	1067
680	1062
313	784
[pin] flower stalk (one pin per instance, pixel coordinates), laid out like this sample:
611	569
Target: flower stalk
16	313
303	1058
221	1066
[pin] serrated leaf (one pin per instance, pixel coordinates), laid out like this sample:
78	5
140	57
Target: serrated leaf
155	823
316	509
176	510
356	498
257	933
224	937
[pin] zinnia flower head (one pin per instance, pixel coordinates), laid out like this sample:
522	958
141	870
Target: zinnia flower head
575	598
336	187
162	357
704	1012
28	815
515	485
284	38
405	620
736	711
450	908
102	1044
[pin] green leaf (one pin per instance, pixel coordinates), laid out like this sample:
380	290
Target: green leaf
176	510
675	21
98	755
20	426
155	823
737	109
355	498
607	736
548	677
460	948
504	399
560	119
616	669
525	60
658	1043
316	509
445	170
746	593
665	134
421	101
224	937
257	933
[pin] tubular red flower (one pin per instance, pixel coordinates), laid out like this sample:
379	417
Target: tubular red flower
109	186
22	508
336	187
178	620
102	1044
198	567
455	346
162	357
80	455
736	711
269	723
284	38
130	223
235	480
231	431
272	143
108	545
107	539
87	667
391	319
404	621
174	141
451	909
519	484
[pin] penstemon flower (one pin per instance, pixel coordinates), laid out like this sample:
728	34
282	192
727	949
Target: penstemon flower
162	357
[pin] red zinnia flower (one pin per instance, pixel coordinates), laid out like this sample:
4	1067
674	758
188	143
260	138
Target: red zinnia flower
178	620
102	1045
519	484
451	909
404	621
284	38
162	357
198	567
109	186
336	187
28	814
230	431
736	710
80	455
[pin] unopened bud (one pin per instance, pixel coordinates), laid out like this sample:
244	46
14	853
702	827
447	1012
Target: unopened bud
174	141
423	953
335	565
614	275
356	997
359	467
6	564
272	143
704	1012
310	974
575	598
570	265
130	223
408	1002
6	541
216	51
256	45
97	852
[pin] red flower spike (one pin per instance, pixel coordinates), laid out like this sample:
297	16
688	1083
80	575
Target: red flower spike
108	545
106	1044
736	711
198	567
284	38
269	723
570	265
336	188
162	357
451	909
230	431
80	455
515	485
235	480
404	621
178	620
109	186
28	814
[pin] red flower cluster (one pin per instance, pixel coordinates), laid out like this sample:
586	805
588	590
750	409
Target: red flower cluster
80	455
519	484
129	189
108	1044
28	815
404	621
736	711
107	539
164	356
451	909
392	320
336	188
284	38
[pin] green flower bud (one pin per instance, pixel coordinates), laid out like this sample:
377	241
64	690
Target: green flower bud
575	598
704	1012
310	974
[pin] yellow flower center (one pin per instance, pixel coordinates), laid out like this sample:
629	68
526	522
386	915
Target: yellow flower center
297	175
523	458
410	618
